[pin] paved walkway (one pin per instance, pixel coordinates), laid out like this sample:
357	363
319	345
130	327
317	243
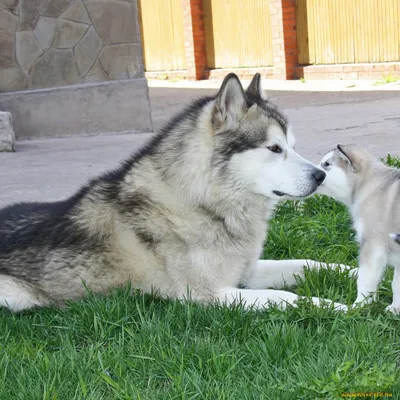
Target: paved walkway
54	168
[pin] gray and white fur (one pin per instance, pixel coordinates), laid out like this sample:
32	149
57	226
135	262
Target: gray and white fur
187	215
371	191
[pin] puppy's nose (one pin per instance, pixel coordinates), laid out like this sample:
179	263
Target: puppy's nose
319	176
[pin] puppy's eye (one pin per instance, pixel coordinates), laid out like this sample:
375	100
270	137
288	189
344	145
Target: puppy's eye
275	148
326	164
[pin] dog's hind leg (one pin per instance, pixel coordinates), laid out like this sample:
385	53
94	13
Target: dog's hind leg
276	274
17	295
264	298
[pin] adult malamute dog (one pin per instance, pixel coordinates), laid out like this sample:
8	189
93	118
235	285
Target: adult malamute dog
188	211
371	191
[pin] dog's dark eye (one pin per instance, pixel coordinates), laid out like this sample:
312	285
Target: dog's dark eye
326	164
275	149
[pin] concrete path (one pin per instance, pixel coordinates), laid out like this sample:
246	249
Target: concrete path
320	120
52	169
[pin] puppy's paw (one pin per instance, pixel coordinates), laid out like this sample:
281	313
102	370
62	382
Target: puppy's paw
394	309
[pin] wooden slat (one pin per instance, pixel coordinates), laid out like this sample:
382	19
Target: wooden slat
302	31
348	31
162	35
238	33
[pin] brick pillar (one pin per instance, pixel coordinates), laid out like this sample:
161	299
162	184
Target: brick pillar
284	38
195	43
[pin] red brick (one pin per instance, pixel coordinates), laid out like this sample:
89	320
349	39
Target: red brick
346	71
194	38
283	21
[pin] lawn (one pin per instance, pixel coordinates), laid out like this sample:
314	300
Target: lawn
139	347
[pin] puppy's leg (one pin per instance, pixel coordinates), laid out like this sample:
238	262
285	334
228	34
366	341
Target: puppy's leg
395	306
263	298
272	273
373	262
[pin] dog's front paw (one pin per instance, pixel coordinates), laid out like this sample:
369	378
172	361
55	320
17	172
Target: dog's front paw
394	309
340	307
336	306
353	272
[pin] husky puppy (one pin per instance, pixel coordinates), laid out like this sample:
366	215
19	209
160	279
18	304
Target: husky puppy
371	191
187	215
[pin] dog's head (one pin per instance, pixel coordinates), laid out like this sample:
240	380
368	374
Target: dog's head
255	145
345	167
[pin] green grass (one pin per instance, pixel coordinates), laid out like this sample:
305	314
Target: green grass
139	347
387	79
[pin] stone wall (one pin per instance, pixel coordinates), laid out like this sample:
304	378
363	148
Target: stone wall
52	43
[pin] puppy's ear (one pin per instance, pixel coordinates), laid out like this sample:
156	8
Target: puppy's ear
254	88
350	156
230	104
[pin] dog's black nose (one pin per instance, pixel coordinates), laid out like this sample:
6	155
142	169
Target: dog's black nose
319	176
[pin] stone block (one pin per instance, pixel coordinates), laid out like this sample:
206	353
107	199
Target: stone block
105	107
68	33
7	137
77	12
121	61
104	1
114	21
28	50
87	51
8	21
54	8
96	73
55	68
8	24
11	5
12	79
29	13
7	49
45	31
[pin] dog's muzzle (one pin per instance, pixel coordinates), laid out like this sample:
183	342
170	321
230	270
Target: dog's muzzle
319	176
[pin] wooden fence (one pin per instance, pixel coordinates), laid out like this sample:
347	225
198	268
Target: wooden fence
162	34
238	33
254	33
348	31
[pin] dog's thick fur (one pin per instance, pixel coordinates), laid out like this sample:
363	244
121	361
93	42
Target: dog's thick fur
186	215
371	191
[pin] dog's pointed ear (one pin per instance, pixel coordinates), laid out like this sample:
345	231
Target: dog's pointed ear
254	88
230	103
349	156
